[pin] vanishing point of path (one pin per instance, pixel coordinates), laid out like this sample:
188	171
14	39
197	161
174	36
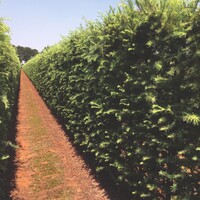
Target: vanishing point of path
47	166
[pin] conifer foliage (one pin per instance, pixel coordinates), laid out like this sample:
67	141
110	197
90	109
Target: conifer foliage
128	89
9	79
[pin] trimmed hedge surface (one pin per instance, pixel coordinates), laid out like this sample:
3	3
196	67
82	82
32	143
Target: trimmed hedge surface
9	80
128	89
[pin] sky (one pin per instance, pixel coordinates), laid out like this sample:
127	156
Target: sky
41	23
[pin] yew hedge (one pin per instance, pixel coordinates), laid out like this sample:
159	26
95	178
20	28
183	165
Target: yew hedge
128	89
9	80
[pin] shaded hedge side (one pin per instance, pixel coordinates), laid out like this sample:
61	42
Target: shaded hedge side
128	90
9	79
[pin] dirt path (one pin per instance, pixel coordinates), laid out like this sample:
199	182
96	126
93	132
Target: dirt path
47	165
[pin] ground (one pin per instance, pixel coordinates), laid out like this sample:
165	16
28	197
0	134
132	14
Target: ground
47	165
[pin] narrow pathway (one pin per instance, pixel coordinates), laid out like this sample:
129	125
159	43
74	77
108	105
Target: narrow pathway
47	165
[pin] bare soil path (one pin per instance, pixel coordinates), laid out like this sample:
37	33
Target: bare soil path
47	164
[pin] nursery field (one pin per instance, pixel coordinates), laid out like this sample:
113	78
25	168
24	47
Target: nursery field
47	166
126	90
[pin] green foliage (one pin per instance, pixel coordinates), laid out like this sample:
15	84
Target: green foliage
9	79
127	88
25	53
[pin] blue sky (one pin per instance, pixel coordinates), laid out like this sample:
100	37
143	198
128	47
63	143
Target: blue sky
39	23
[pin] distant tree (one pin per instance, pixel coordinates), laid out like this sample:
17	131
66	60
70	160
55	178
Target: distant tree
25	53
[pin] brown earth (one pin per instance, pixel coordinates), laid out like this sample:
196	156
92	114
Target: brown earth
47	166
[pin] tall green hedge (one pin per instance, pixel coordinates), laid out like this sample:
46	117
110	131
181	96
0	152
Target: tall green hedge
128	88
9	79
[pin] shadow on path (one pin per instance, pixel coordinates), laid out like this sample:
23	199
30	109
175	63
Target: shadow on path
113	191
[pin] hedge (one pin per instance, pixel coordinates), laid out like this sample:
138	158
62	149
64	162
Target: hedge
9	79
127	87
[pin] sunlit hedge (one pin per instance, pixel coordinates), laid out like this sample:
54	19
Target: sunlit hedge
9	79
128	89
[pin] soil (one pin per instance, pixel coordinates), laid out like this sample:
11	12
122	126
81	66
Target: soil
47	165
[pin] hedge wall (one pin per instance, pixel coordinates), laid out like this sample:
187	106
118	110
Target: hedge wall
9	79
128	89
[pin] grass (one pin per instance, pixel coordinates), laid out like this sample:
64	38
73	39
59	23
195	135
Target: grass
46	164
